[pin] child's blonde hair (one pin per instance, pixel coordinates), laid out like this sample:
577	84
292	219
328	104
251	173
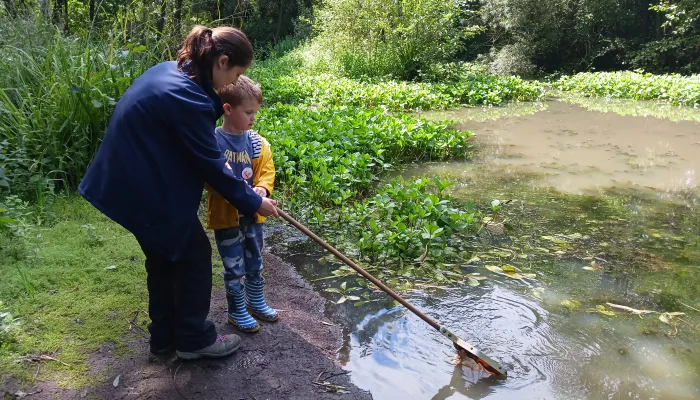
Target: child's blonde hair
244	89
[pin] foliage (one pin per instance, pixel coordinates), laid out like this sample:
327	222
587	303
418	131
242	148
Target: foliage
331	155
57	97
9	326
467	85
676	89
389	38
406	231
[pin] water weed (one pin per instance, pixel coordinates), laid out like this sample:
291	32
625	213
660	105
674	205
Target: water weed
332	155
675	89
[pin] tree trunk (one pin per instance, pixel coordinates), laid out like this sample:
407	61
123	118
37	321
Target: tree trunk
91	4
57	12
45	8
176	20
10	7
161	20
279	20
65	17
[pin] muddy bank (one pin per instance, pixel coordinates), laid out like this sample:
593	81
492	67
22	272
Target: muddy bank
282	361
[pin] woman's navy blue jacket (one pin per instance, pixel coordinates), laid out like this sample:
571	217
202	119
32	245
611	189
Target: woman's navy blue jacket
158	151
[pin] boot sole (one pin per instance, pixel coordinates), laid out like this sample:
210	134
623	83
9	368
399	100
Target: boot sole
197	356
240	328
262	317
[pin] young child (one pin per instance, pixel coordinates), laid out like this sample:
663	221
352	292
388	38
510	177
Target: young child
239	238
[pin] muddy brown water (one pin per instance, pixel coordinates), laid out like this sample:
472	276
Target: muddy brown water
576	155
579	150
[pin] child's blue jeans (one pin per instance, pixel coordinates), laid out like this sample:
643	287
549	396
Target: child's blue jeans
241	252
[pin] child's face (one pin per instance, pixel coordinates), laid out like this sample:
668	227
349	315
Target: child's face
242	116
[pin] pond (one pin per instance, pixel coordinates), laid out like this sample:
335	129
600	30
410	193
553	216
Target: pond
603	211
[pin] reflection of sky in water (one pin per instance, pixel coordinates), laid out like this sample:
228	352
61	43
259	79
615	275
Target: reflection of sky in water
548	355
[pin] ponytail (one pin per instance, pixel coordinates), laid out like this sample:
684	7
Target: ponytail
203	46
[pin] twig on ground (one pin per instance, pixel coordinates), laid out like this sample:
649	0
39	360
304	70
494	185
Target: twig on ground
326	323
175	383
318	378
37	358
38	368
332	388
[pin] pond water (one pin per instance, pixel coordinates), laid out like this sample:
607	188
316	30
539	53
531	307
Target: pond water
604	209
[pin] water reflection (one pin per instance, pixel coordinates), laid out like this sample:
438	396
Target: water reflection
643	239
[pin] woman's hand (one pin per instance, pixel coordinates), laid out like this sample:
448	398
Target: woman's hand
268	208
260	191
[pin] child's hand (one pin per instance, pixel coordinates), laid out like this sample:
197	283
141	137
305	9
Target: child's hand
260	191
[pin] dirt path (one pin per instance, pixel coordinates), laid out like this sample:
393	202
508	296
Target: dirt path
282	361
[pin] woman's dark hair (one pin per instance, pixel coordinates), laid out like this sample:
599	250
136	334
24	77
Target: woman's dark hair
203	47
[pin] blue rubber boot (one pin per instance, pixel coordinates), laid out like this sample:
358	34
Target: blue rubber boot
238	315
255	299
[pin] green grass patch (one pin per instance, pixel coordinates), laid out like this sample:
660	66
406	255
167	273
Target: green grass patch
75	304
673	88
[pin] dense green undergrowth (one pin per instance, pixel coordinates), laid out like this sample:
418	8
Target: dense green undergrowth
330	155
676	89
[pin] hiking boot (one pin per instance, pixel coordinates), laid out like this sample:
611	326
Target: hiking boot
238	315
255	300
223	346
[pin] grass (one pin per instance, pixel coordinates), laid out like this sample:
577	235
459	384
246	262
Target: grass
77	304
57	96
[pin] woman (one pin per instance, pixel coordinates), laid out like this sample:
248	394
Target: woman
149	173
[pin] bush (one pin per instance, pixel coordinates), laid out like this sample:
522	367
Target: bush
390	38
57	96
676	89
471	86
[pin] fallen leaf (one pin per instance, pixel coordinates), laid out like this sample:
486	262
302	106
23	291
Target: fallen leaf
111	268
513	275
494	268
341	300
530	276
473	282
116	381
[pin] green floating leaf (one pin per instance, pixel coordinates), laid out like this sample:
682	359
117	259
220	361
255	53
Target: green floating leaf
530	276
508	268
341	300
571	305
473	282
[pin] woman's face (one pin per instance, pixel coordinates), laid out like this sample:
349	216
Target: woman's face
223	75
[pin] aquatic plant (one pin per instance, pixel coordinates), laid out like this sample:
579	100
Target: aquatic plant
673	88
